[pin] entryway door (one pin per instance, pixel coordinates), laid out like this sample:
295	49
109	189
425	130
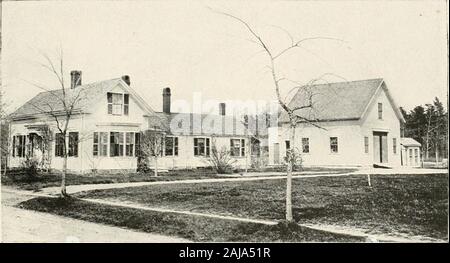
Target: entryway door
276	153
380	147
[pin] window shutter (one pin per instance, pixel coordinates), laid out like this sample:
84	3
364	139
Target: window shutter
125	107
176	146
95	144
195	146
14	147
137	141
111	144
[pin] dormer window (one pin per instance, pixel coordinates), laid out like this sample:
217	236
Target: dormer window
118	103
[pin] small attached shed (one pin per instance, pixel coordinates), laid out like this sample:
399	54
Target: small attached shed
410	152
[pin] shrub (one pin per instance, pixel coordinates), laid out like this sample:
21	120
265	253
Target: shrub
30	166
221	160
293	156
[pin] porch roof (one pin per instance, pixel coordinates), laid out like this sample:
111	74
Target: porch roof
409	142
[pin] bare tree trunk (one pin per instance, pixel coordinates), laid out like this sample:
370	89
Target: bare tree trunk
436	153
156	166
63	177
64	172
289	217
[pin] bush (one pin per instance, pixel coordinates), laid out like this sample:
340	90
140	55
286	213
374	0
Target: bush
221	160
143	166
30	166
294	157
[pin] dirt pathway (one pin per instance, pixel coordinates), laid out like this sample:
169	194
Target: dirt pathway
20	225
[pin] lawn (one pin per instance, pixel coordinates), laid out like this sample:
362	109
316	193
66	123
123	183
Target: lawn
195	228
20	180
410	204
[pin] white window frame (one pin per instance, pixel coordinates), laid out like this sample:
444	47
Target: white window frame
303	145
114	105
337	145
174	145
206	147
240	147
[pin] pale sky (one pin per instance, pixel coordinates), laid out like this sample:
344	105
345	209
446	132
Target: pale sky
185	46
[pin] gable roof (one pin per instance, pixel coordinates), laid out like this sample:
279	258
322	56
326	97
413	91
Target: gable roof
338	101
409	142
198	124
87	95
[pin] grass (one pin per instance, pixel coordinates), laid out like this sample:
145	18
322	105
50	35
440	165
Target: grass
20	180
410	204
42	180
194	228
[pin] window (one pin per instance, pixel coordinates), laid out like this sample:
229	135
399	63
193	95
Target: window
118	103
380	111
73	144
116	144
366	144
19	145
237	147
59	144
129	143
100	146
171	146
416	156
334	144
201	146
394	145
305	145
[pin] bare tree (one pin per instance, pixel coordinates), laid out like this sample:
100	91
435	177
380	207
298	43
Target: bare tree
151	146
292	112
4	134
63	107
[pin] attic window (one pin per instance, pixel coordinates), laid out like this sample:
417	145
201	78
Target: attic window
118	103
380	111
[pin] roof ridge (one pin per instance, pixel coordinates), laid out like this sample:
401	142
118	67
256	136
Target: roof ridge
352	81
83	85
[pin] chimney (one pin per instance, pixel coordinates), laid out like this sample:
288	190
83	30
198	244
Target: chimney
75	78
166	100
126	79
222	109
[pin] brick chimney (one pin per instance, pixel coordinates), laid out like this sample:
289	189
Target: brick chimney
166	100
126	79
222	109
75	78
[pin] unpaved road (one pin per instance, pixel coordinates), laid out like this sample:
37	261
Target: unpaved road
20	225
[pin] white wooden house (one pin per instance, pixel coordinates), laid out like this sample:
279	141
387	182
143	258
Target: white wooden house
360	126
105	127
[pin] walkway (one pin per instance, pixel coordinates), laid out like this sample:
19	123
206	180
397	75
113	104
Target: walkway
20	225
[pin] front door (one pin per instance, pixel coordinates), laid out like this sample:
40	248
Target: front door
276	153
380	148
